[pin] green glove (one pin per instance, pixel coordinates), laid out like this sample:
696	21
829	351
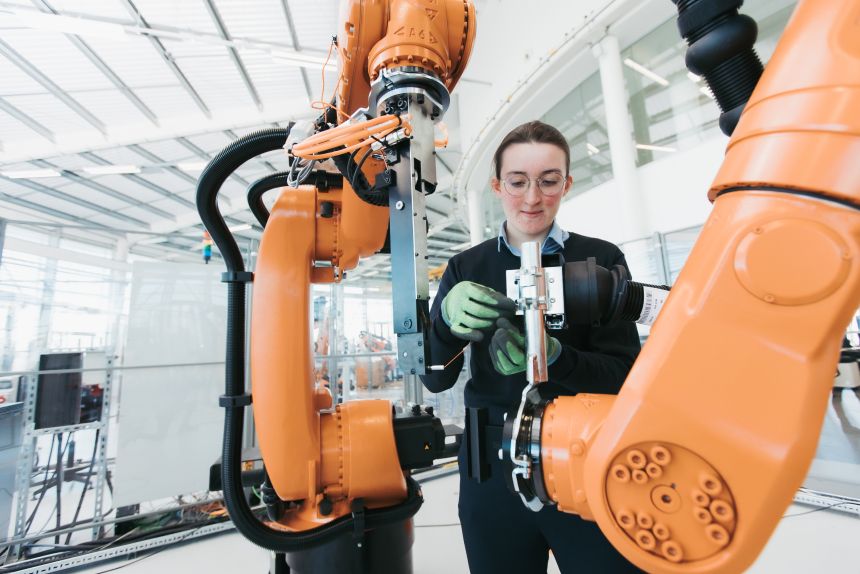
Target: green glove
469	308
508	349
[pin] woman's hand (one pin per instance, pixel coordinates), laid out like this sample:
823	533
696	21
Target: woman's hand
470	308
508	349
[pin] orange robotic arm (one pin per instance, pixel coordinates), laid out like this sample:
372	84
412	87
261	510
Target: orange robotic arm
690	468
406	56
335	474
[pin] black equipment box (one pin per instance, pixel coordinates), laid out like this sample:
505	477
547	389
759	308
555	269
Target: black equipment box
58	398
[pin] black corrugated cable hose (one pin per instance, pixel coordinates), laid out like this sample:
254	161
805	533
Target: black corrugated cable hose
321	179
211	180
721	51
261	186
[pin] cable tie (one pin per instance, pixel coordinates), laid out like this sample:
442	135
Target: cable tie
237	277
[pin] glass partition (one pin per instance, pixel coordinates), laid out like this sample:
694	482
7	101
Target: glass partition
670	107
581	118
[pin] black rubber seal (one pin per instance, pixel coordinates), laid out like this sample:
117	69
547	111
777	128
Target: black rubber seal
801	192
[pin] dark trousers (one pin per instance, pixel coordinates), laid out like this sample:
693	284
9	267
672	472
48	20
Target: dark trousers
502	535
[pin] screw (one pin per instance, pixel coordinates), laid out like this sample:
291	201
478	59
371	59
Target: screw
405	354
408	324
398	205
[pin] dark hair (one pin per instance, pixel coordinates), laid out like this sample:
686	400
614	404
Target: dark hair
532	132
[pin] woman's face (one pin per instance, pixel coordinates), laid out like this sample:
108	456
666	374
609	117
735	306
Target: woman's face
529	211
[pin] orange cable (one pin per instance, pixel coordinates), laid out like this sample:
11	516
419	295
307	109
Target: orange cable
322	104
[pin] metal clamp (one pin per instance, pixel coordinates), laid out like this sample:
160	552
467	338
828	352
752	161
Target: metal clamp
237	277
234	401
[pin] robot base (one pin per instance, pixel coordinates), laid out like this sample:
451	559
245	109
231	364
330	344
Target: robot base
386	550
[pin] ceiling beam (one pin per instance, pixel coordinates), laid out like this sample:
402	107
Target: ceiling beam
234	54
148	155
67	144
95	186
294	36
142	182
27	120
167	58
38	207
38	187
103	67
53	88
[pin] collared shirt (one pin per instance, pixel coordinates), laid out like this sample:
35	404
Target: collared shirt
552	243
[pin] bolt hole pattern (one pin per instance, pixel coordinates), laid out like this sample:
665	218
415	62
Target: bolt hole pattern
670	502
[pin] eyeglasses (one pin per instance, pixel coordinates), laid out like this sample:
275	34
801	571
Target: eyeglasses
549	185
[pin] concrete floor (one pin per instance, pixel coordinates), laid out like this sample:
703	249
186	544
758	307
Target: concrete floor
820	541
805	541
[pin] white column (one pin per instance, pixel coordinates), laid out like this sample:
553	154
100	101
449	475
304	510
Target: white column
40	344
621	145
476	216
119	282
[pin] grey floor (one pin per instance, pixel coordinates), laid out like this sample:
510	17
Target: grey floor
820	541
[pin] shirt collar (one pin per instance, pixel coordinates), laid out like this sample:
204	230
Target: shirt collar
553	243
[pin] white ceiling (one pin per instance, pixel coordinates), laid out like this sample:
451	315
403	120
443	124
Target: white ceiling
158	84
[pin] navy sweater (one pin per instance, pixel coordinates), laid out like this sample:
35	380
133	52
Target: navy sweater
592	360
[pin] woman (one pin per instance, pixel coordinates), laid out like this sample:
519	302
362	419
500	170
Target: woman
500	533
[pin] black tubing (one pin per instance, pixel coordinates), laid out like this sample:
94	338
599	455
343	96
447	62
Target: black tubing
322	180
721	50
218	170
358	181
634	299
261	186
594	295
216	173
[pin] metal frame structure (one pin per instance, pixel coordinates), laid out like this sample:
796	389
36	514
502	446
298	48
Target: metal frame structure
25	459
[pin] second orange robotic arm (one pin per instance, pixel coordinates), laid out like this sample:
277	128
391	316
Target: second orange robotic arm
690	469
